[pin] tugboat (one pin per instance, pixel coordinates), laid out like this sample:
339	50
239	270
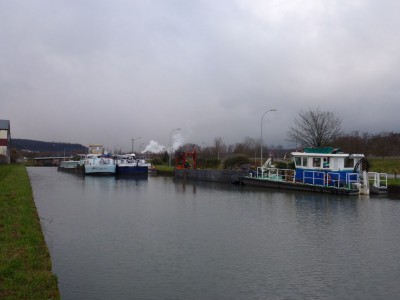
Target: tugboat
326	170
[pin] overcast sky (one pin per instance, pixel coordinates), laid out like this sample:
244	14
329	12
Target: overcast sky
106	71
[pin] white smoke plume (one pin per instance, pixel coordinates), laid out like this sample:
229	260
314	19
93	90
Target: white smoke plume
177	140
154	147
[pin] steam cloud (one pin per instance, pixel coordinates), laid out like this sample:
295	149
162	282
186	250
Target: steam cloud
154	147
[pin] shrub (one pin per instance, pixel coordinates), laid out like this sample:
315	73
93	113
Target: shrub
212	163
235	161
156	161
3	159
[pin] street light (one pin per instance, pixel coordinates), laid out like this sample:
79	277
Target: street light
170	143
204	162
133	139
261	163
219	146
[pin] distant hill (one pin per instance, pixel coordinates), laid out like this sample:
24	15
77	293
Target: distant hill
47	147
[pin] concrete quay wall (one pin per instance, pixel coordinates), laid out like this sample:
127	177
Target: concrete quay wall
227	176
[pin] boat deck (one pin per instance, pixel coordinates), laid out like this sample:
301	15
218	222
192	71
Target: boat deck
315	181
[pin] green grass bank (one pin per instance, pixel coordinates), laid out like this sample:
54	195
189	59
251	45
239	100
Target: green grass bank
25	265
390	165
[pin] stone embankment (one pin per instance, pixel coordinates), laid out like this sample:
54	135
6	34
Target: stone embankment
232	176
226	176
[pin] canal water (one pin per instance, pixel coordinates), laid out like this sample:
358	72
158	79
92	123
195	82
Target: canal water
156	238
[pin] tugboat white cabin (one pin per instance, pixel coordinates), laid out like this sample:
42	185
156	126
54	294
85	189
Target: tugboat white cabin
328	163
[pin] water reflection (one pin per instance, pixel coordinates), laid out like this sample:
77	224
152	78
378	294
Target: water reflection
181	185
159	238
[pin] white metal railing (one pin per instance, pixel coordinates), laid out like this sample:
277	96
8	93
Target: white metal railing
378	180
285	175
329	179
383	179
333	179
317	178
352	178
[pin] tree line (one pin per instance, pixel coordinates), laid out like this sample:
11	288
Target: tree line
312	128
316	128
383	144
32	148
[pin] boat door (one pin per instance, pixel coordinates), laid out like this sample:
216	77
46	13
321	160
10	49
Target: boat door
341	163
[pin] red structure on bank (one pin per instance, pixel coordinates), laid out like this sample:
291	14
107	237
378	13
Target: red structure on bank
181	161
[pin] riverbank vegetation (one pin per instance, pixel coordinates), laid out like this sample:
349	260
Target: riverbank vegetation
390	165
25	265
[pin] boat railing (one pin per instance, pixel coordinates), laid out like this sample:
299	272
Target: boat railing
310	177
333	179
285	175
314	178
328	179
352	179
378	180
319	178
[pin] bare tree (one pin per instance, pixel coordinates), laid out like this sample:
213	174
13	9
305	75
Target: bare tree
248	146
219	144
315	128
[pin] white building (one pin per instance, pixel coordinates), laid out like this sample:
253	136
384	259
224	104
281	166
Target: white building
5	142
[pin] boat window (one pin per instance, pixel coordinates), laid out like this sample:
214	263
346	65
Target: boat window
325	163
297	161
348	163
305	160
316	162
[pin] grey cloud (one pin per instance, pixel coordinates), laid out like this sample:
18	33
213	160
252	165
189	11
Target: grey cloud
101	71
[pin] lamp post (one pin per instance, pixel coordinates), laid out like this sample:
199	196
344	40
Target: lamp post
205	151
141	147
133	139
170	143
261	163
219	146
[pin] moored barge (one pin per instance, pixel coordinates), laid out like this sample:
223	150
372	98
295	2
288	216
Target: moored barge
325	170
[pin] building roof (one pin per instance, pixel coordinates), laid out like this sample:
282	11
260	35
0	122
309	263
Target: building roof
4	124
